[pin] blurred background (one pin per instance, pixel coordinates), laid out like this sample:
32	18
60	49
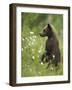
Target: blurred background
33	46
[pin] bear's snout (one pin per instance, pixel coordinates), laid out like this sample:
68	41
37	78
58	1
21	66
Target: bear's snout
42	34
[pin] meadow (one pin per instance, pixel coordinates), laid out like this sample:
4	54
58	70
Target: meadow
33	46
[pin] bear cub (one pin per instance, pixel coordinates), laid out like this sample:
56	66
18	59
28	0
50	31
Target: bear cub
52	51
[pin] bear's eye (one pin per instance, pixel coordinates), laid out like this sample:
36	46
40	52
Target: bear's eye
44	30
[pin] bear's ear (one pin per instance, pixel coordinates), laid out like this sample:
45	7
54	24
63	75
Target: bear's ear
49	26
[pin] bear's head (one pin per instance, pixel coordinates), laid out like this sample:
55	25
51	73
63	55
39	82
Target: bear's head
47	31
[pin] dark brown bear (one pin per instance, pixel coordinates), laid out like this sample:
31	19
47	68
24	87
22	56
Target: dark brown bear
52	51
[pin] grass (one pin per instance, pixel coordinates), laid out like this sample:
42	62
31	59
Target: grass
33	46
31	53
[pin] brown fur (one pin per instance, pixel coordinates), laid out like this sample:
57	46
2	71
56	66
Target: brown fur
52	51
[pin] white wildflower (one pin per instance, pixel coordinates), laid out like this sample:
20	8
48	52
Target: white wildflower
23	39
41	63
39	51
31	32
53	56
33	57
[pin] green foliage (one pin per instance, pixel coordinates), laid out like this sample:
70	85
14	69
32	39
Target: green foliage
33	45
